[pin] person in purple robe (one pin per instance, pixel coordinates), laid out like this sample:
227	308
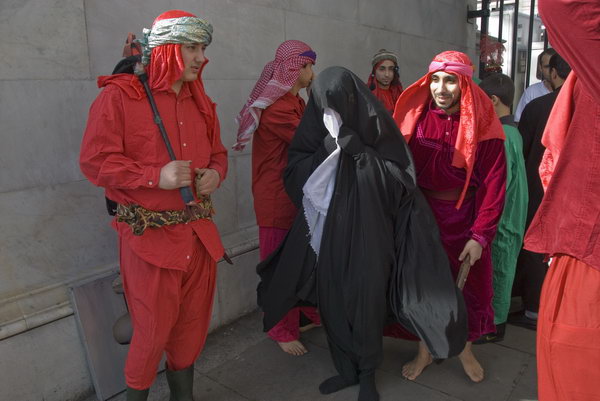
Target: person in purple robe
457	144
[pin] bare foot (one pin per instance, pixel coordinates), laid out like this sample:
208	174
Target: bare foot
414	368
471	365
295	348
309	326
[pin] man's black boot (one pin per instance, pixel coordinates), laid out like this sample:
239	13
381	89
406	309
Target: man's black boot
181	384
137	395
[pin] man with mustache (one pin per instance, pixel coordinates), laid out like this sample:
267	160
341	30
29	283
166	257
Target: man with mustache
457	145
168	249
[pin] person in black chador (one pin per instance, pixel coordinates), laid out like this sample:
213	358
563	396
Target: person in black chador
366	245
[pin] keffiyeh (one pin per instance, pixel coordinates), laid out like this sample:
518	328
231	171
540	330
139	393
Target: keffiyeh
277	78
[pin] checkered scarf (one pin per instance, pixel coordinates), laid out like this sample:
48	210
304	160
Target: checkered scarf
277	78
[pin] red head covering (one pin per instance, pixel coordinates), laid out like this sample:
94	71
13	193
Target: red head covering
395	86
478	120
166	67
277	78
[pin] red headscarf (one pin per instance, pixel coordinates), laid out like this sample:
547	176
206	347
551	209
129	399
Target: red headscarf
395	88
277	78
478	120
166	67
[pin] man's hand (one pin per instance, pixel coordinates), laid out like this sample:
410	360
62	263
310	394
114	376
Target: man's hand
175	174
473	249
207	180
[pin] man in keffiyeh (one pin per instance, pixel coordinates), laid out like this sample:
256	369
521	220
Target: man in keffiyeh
458	147
384	80
270	117
567	223
169	268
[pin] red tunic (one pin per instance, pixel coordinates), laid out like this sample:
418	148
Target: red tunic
270	143
123	152
386	97
568	219
433	147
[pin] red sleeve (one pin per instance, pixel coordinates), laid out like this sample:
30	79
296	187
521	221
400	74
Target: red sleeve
218	158
490	168
574	31
102	158
280	121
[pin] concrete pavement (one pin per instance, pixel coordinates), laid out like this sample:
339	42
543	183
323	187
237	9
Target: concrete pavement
240	363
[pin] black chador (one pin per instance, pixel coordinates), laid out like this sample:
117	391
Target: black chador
379	251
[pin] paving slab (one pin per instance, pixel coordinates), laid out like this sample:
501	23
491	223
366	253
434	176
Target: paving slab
204	389
265	373
526	387
520	339
241	363
228	342
503	366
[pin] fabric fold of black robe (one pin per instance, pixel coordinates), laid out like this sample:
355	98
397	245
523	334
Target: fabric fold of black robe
380	252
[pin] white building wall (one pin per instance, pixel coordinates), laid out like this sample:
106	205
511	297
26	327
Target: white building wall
54	228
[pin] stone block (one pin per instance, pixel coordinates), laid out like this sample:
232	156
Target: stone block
341	43
230	95
51	236
282	4
245	208
42	125
224	201
237	287
333	9
45	364
427	18
43	40
108	22
245	39
417	53
238	28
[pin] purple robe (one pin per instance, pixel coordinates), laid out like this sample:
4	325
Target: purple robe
432	147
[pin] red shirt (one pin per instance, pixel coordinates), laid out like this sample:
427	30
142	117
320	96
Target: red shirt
388	96
432	147
123	152
270	143
568	219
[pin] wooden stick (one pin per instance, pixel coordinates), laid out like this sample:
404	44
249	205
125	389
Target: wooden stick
463	273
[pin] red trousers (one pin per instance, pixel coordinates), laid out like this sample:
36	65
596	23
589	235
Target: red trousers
568	332
170	312
288	329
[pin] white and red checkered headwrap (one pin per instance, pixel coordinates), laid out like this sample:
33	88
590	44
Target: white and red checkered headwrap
277	78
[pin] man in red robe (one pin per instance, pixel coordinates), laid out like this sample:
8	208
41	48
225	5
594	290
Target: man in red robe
567	223
168	250
384	80
457	145
270	117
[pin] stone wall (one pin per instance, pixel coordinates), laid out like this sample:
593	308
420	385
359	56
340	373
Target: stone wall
55	231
